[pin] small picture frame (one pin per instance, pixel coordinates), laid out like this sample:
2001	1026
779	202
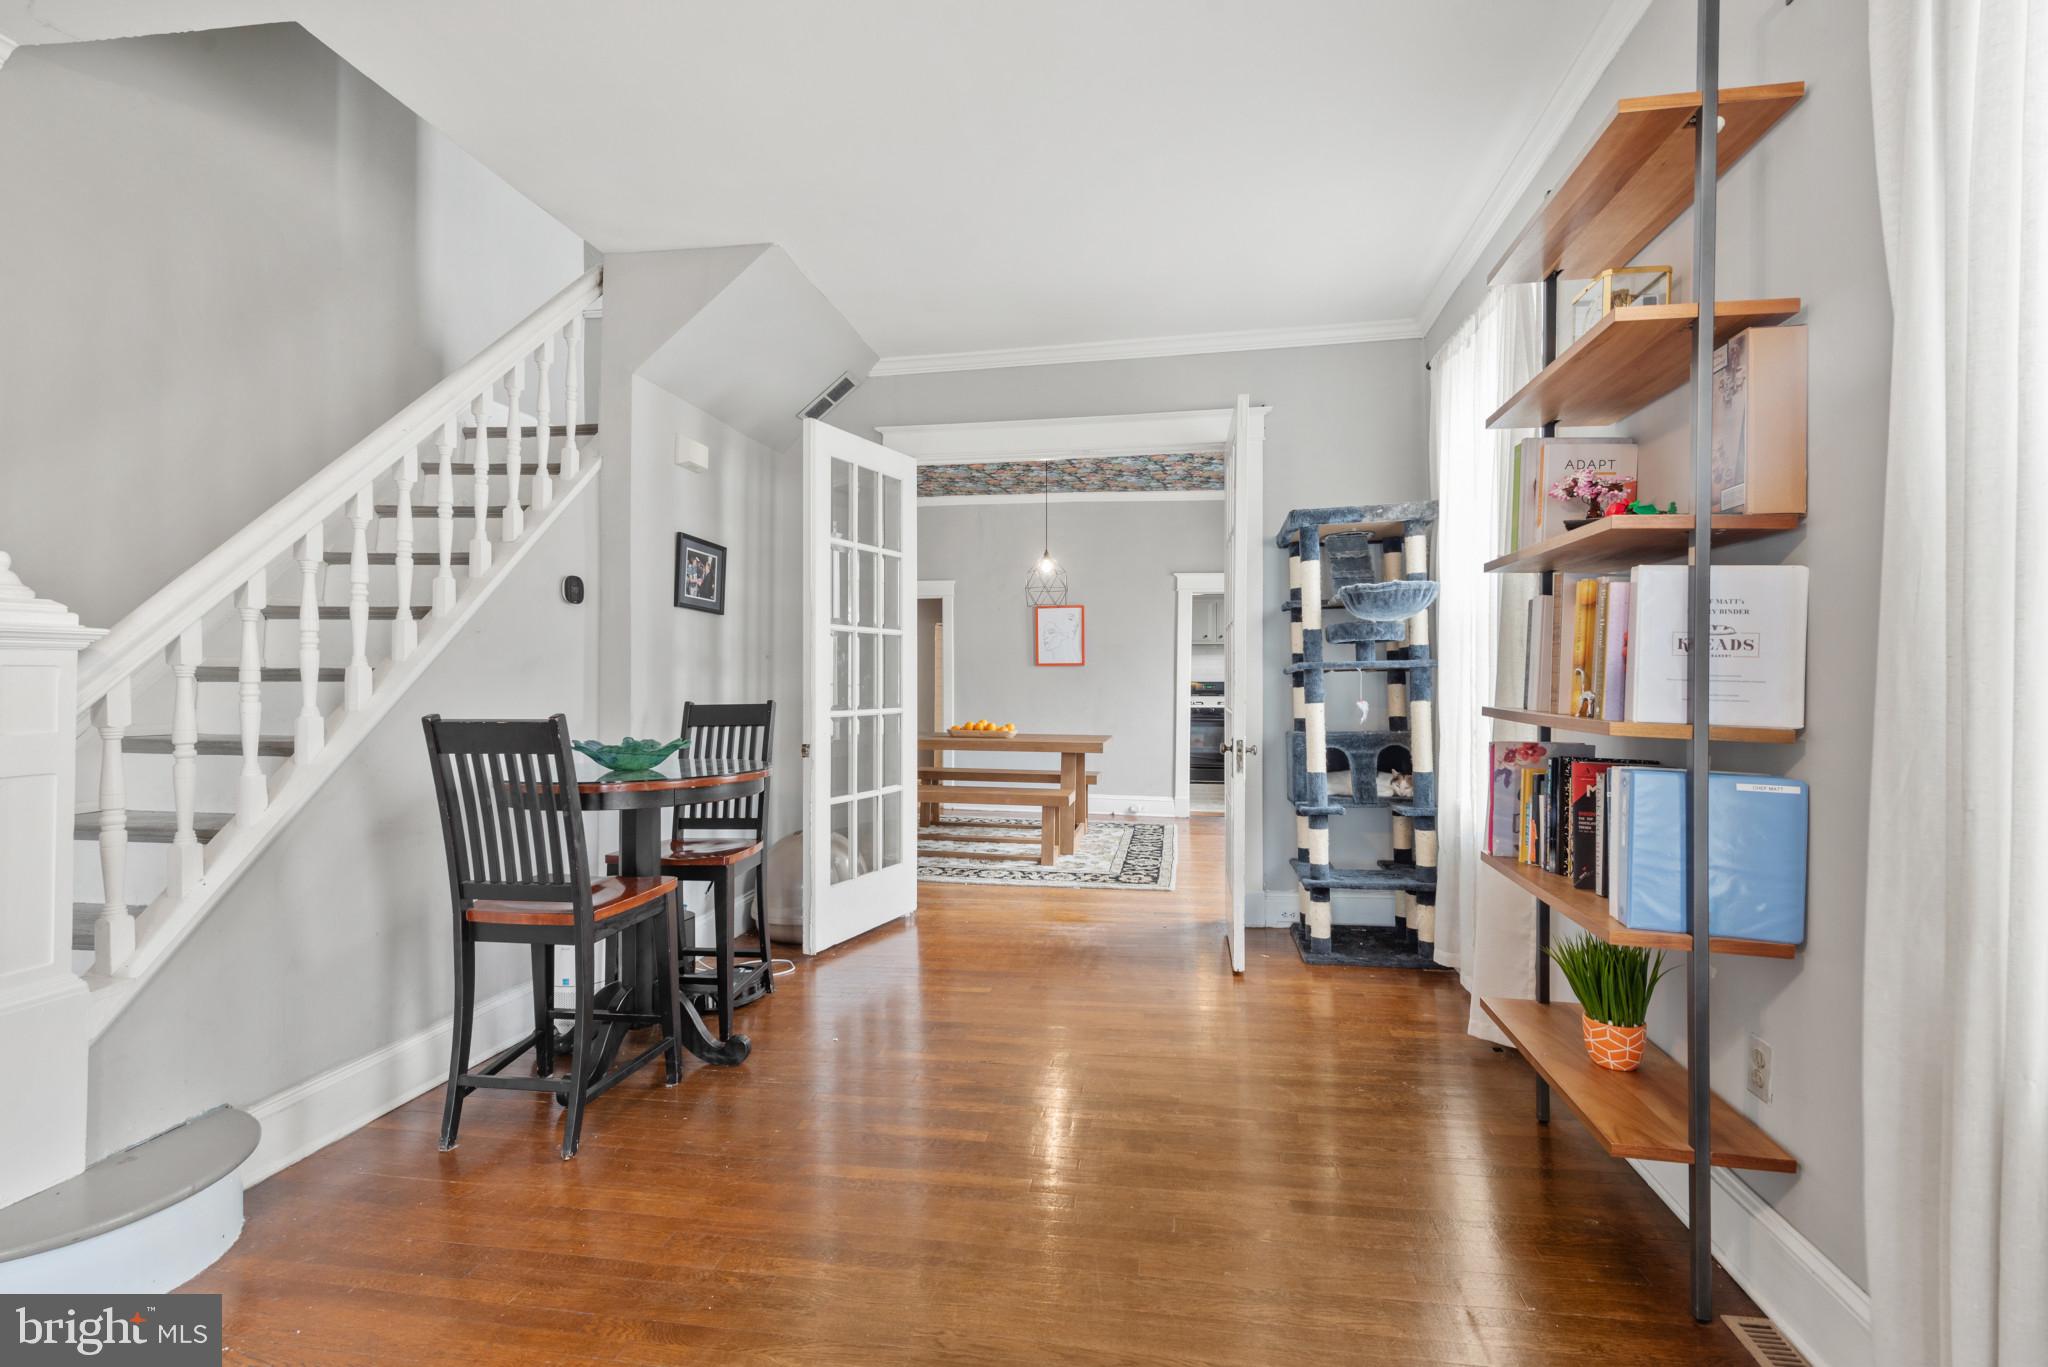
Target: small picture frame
1062	635
700	574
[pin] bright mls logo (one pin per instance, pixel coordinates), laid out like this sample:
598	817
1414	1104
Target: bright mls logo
168	1330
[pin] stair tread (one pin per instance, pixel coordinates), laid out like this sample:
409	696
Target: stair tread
290	612
155	827
583	429
419	557
228	673
159	743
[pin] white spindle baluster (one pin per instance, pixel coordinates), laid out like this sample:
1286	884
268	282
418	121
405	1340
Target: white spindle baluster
186	858
572	459
444	582
254	794
113	935
480	489
515	513
357	685
405	632
543	482
311	732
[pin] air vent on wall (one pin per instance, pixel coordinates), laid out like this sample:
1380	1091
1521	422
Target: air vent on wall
827	401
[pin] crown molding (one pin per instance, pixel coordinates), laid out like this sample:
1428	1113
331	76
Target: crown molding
1600	49
1144	348
7	46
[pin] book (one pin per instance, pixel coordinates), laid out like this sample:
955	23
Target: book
1614	652
1756	854
1759	463
1757	641
1543	461
1602	595
1536	686
1563	620
1506	762
1583	839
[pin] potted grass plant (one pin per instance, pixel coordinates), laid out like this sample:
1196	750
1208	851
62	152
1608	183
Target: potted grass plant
1613	984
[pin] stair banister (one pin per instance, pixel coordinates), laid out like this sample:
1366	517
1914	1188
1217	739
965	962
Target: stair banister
147	632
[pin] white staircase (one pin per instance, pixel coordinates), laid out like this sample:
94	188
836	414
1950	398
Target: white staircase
209	715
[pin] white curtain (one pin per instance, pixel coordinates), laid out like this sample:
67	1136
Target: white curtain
1956	964
1483	925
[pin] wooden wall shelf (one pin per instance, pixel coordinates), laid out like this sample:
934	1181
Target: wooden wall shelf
1640	730
1633	1115
1631	358
1635	179
1591	913
1615	543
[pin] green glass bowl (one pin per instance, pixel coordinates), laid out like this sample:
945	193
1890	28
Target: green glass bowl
630	755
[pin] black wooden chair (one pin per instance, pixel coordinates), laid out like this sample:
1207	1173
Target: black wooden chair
518	873
720	843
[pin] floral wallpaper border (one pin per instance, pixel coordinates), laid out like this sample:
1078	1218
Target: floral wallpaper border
1083	474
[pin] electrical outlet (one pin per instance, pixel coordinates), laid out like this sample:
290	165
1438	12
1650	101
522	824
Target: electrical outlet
1759	1069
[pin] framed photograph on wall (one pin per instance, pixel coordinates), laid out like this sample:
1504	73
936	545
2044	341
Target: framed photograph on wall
700	574
1062	634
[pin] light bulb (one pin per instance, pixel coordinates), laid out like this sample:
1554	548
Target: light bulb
1046	565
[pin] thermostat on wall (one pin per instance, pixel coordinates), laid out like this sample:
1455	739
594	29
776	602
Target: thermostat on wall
692	454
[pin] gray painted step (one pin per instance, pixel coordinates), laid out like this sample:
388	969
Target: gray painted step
223	673
428	510
464	467
83	914
290	611
583	429
419	558
275	746
153	828
130	1185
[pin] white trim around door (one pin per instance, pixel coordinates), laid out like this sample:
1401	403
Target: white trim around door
949	700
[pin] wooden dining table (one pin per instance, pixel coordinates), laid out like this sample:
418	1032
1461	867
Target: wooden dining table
1073	748
640	799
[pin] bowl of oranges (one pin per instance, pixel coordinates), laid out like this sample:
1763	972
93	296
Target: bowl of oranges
984	727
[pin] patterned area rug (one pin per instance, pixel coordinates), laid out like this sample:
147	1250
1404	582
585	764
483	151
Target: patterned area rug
1107	854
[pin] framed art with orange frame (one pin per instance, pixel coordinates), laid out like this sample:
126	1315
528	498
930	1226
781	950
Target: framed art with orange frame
1062	634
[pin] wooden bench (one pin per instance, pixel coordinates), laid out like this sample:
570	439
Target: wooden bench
1055	820
939	773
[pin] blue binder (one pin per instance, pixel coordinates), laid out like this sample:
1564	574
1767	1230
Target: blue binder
1756	853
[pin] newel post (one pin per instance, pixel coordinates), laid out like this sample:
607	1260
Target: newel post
42	1002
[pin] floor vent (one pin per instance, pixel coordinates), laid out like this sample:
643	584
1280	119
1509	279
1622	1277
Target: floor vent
1763	1341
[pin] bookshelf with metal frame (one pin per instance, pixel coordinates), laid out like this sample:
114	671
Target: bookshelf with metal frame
1628	187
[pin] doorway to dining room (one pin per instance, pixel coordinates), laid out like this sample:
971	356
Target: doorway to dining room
1051	559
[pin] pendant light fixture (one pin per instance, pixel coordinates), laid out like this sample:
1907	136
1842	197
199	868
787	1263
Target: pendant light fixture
1046	585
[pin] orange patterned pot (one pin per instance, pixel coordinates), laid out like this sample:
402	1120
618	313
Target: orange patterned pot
1619	1047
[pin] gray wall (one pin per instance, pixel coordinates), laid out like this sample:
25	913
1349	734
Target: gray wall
1349	424
226	257
336	941
1120	557
1798	216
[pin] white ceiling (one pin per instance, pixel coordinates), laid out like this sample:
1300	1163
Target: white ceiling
962	175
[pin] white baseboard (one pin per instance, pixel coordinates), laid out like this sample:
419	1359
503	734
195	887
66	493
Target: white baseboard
1281	909
1813	1302
302	1120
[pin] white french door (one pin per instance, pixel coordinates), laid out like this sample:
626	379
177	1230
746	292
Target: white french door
1242	694
860	654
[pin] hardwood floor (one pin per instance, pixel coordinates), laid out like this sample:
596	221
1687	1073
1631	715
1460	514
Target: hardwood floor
1035	1126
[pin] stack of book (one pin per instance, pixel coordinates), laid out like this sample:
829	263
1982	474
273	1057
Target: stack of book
1615	647
1616	829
